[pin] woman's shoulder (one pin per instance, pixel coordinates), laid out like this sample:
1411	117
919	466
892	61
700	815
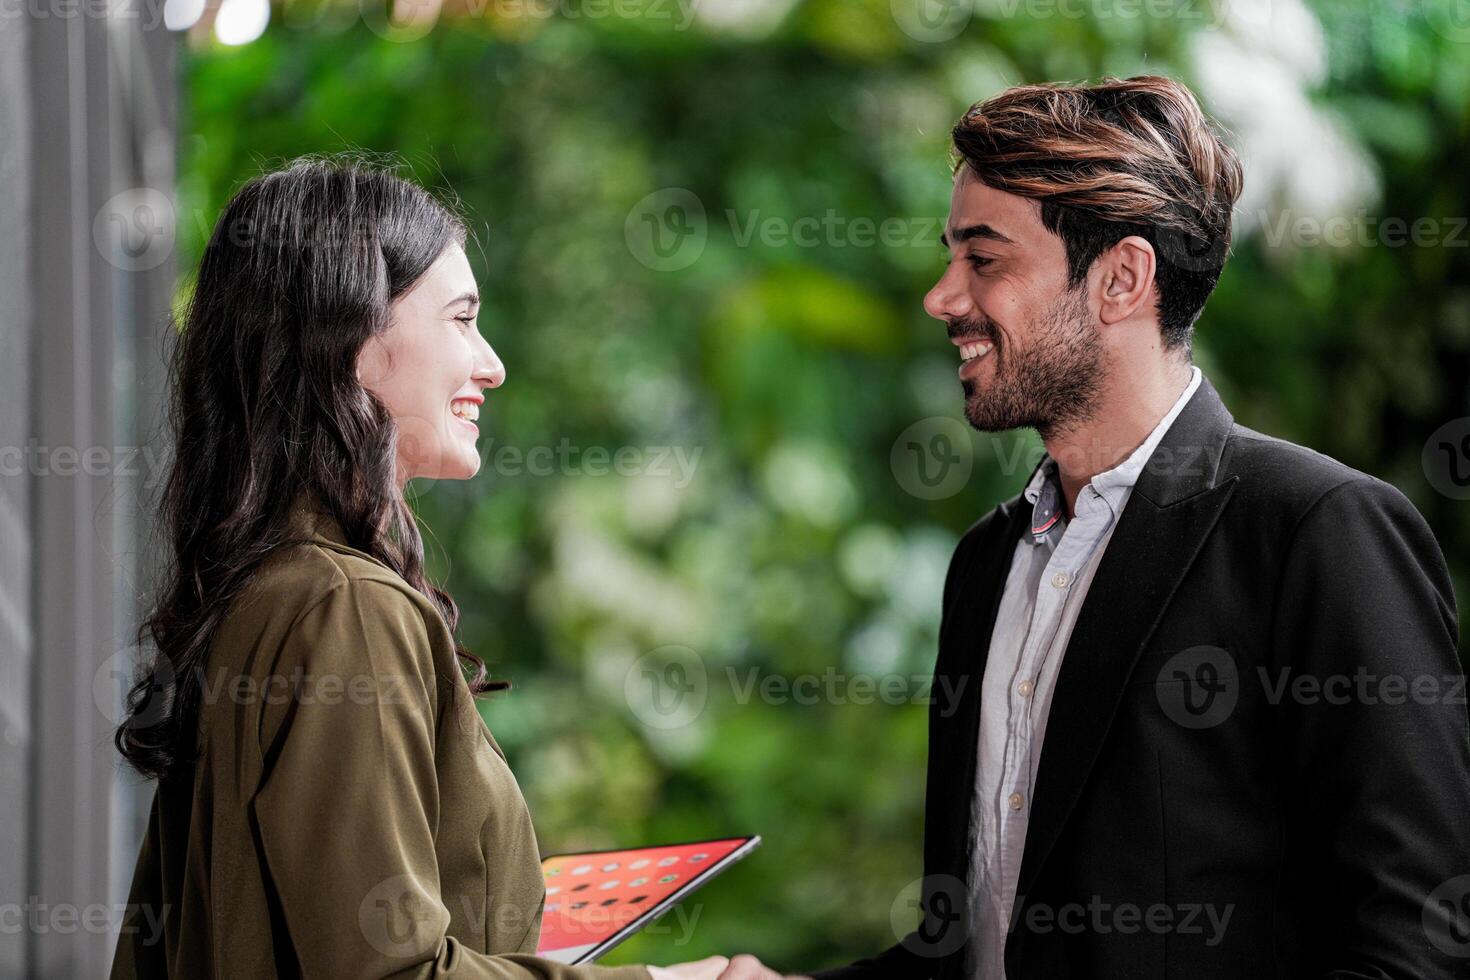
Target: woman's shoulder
304	578
317	563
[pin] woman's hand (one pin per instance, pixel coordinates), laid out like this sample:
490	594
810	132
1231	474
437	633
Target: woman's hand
710	968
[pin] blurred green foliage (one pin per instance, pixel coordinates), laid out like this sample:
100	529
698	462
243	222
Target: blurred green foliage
785	370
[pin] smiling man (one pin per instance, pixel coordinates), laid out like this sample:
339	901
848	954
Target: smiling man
1217	723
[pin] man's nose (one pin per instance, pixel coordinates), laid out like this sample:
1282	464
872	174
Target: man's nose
947	299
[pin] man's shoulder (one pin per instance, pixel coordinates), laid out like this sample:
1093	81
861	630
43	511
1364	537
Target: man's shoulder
1282	479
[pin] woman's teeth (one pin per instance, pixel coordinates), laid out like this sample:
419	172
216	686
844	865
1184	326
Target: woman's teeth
468	411
968	352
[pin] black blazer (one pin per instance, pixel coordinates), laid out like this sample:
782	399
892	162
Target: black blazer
1194	817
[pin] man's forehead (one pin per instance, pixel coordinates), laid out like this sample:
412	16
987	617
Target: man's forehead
975	204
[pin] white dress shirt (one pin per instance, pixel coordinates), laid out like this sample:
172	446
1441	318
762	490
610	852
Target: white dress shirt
1051	571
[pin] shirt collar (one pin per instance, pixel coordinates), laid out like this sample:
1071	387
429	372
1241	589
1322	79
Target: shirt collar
1044	491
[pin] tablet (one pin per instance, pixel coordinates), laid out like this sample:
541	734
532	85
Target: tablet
596	899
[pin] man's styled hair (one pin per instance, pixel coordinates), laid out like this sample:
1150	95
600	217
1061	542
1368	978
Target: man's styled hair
1124	157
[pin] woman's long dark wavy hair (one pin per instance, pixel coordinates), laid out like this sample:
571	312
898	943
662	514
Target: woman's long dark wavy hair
299	273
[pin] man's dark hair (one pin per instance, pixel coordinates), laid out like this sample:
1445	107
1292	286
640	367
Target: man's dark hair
1124	157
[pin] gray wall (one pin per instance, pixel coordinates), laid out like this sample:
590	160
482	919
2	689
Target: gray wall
86	138
15	540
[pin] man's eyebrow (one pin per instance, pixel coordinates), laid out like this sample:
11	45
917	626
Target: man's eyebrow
472	298
976	231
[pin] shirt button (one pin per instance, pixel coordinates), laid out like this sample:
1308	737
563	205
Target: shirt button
1016	801
1024	689
1060	580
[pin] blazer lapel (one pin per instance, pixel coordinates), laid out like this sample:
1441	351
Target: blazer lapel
955	727
1172	509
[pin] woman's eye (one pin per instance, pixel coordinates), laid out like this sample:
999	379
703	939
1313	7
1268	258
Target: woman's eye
466	320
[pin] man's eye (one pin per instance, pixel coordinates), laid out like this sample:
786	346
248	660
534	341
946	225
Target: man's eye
980	261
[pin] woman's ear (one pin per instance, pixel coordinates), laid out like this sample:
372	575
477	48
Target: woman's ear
371	362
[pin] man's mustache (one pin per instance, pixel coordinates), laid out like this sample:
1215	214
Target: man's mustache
971	327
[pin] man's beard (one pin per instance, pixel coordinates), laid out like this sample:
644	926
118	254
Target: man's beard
1052	385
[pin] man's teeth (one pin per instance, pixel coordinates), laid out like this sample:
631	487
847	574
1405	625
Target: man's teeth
465	410
968	352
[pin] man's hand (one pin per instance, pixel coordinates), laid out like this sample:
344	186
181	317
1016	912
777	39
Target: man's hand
706	969
747	967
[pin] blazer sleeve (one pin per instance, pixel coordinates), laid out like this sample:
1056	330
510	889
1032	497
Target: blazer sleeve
927	951
348	806
1376	736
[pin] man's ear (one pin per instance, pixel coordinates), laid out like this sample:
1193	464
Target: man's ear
1125	279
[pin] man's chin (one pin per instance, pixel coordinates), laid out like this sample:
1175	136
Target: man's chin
981	412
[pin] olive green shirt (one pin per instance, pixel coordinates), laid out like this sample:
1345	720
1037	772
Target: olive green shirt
350	816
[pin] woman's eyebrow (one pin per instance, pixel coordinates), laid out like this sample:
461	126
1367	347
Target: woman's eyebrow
472	298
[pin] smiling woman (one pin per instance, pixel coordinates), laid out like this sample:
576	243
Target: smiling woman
325	784
429	368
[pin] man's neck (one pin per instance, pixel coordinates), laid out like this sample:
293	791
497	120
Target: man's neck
1129	410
